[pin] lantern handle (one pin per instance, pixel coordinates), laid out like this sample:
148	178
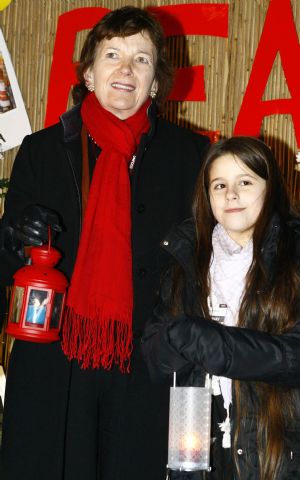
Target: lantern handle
207	381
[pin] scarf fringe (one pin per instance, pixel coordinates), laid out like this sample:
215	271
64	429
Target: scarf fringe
99	343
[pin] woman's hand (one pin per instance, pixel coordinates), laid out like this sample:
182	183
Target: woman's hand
31	228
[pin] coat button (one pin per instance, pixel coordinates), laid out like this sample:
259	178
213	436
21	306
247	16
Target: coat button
141	208
240	451
142	272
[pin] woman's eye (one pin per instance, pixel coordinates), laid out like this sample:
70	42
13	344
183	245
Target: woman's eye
142	59
111	55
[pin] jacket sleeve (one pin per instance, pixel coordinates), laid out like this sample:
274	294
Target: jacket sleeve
237	353
161	357
20	193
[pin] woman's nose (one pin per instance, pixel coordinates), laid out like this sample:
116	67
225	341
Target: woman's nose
126	67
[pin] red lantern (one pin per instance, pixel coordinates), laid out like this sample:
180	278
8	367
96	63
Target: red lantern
38	298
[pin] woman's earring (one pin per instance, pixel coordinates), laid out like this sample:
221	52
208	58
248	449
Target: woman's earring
90	87
153	93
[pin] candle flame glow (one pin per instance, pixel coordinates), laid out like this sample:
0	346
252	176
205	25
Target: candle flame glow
191	441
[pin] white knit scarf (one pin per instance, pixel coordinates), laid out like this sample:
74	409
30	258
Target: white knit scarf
229	266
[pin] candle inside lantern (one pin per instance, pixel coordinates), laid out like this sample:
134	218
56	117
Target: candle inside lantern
191	444
190	450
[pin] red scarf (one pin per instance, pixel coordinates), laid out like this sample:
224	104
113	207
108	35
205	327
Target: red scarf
97	327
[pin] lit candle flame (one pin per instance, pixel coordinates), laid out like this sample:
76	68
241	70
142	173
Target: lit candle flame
191	441
190	447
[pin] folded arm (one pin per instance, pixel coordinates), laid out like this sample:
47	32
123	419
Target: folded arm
184	342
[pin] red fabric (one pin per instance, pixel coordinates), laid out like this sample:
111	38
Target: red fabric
97	328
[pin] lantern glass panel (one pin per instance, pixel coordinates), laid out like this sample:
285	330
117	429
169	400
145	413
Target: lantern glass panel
36	308
17	304
189	428
56	312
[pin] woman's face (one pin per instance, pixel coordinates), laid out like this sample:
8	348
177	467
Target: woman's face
236	196
123	73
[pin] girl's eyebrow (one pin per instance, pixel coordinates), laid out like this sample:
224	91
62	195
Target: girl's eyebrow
237	176
217	179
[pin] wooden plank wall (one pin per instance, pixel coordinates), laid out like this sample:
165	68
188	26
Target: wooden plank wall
29	27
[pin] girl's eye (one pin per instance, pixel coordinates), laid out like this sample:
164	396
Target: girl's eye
245	183
219	186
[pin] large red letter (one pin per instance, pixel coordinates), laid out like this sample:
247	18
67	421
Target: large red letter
193	19
62	74
203	19
279	35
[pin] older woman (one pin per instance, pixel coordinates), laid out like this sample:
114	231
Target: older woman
112	178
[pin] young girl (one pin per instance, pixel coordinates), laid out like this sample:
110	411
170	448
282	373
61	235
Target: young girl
230	306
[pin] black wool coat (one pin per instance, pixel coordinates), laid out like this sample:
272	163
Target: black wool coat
236	353
47	171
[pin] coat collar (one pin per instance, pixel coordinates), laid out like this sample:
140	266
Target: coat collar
71	123
180	242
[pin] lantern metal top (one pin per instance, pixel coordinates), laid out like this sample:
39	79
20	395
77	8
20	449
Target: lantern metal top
45	256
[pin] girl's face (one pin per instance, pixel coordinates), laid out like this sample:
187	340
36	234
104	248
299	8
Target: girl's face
123	73
236	196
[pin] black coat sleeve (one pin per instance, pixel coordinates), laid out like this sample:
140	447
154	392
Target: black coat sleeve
237	353
21	192
161	357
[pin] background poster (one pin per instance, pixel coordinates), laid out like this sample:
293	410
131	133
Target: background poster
14	122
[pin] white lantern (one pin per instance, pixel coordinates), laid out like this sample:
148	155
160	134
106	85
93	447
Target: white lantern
189	427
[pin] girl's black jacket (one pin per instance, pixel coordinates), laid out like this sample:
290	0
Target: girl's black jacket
190	345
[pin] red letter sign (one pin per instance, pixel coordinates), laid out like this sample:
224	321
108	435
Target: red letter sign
279	35
62	74
204	19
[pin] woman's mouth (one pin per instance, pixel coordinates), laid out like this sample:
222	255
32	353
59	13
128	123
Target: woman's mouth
123	86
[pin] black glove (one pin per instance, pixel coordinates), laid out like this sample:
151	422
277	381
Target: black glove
178	331
32	226
208	343
185	336
29	229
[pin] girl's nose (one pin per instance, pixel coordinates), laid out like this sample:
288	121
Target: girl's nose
231	193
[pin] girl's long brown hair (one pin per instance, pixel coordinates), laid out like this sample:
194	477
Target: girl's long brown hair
269	301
